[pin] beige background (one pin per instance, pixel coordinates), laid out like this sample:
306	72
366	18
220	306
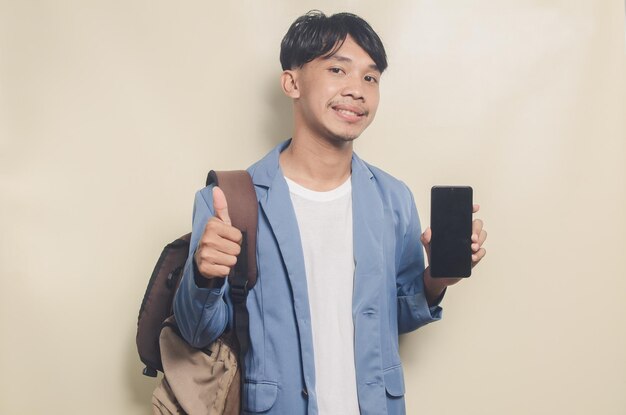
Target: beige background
111	112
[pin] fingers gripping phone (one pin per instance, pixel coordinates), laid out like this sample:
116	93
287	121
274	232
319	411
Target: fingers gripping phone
451	225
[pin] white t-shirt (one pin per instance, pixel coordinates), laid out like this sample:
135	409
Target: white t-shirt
325	223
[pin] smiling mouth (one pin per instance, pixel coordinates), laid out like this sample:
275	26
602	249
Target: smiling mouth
348	112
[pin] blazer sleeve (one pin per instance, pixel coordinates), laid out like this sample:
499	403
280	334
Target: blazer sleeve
202	314
413	309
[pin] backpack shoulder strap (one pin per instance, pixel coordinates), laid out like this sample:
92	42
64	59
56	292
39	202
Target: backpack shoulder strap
243	211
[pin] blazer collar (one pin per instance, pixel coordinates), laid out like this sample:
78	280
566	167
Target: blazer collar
265	171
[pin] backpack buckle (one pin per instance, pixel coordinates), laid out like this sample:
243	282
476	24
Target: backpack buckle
239	293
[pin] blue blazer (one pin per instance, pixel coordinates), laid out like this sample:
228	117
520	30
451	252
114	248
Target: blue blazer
388	294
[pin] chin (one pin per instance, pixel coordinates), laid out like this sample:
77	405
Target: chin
346	136
341	136
340	140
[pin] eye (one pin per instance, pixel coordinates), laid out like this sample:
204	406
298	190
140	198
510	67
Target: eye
371	79
334	69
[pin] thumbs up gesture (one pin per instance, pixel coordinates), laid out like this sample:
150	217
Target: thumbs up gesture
220	242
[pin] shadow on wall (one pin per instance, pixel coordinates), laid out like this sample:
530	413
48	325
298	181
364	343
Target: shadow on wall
278	123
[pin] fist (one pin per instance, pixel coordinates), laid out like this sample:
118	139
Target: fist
220	242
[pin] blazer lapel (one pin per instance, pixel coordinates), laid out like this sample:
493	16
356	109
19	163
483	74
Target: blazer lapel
367	218
277	207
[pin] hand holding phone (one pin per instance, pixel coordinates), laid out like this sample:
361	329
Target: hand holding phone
451	225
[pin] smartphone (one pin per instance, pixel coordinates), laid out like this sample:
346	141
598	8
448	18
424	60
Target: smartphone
451	225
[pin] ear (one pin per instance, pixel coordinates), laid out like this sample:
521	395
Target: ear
288	81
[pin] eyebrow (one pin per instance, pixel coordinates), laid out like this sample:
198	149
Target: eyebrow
341	58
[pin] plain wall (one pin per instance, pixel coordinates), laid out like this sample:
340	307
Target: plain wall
111	113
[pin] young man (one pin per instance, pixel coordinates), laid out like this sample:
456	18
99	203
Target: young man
340	264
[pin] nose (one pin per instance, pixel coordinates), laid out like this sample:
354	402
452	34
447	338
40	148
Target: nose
353	88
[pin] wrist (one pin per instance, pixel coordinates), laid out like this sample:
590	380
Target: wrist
433	287
205	282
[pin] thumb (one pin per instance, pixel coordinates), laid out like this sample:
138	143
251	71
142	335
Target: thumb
220	206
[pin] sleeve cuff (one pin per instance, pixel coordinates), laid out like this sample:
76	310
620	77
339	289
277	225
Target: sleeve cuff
435	309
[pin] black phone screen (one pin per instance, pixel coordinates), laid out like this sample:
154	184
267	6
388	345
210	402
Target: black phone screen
451	225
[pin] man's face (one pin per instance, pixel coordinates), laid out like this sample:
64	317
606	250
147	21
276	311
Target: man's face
337	95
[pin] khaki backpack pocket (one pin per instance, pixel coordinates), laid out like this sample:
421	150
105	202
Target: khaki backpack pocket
197	381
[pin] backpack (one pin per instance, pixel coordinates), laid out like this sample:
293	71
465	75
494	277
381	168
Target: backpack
200	381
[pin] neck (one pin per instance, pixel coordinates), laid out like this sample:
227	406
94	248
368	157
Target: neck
317	164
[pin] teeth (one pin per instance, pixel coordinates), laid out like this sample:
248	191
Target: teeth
347	112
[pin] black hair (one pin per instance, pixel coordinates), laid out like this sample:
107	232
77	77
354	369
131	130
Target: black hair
314	34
